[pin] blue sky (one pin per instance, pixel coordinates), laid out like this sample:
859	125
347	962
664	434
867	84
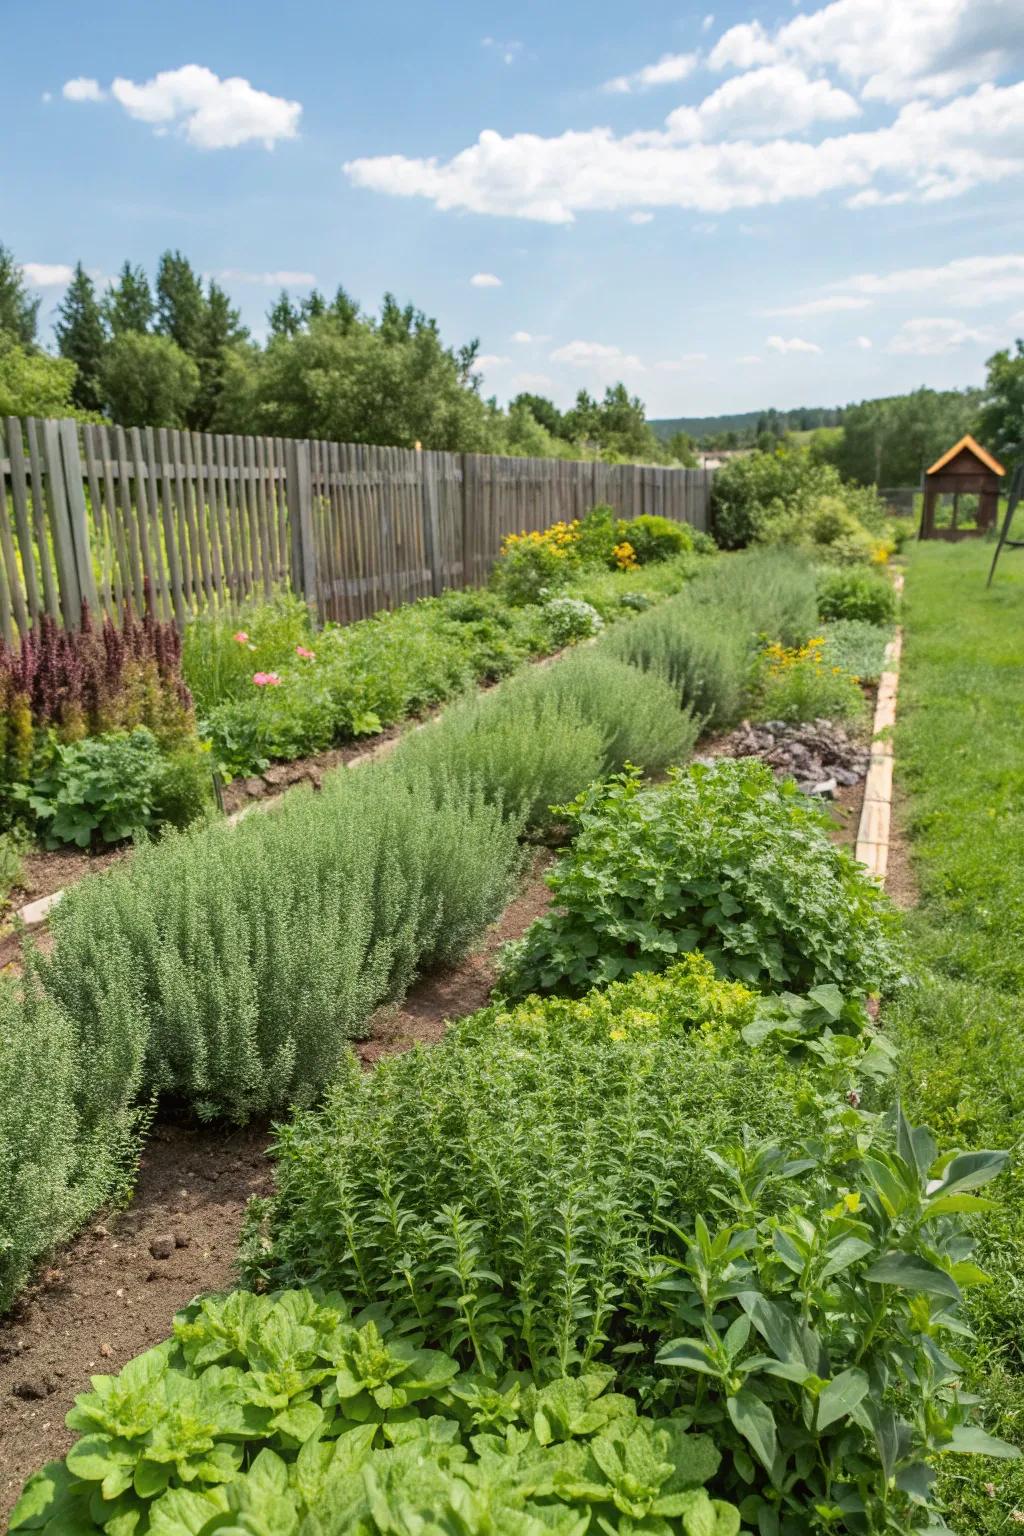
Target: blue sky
799	204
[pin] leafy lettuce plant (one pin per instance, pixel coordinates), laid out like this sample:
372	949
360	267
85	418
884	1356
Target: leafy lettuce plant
819	1338
283	1415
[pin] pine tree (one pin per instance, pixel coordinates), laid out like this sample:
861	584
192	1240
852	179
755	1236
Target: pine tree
128	304
313	306
82	339
180	305
18	312
221	327
283	317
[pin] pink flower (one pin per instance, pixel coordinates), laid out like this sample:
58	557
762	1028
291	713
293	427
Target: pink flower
240	637
266	680
300	650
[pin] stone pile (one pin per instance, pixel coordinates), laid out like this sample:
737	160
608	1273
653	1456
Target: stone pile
820	755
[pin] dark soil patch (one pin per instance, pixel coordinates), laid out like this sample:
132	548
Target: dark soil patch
452	994
105	1297
845	811
900	879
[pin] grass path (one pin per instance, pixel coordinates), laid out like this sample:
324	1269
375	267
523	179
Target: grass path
960	761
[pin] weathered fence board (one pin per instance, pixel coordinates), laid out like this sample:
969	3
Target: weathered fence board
189	520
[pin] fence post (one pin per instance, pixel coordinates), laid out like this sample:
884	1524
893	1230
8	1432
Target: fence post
300	520
78	517
60	527
431	525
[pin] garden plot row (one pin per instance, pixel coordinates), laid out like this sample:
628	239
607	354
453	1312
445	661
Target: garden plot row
632	1250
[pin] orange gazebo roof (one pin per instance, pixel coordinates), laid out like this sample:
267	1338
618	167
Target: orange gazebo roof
967	444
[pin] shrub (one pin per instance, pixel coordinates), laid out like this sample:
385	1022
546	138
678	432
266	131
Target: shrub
789	497
769	592
656	538
532	565
315	1420
245	957
612	593
799	684
706	666
569	619
853	594
745	487
546	734
856	647
67	1129
503	1192
723	860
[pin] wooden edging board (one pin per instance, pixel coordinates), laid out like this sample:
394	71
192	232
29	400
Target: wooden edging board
876	815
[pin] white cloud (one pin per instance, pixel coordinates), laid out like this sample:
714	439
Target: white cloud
509	51
484	280
708	22
487	360
750	358
526	337
969	281
891	50
531	381
82	88
282	279
791	344
830	304
210	113
933	337
669	70
640	217
763	104
864	342
44	274
606	363
873	197
936	152
46	96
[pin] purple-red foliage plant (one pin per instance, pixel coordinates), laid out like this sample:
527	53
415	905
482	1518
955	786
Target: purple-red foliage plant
84	682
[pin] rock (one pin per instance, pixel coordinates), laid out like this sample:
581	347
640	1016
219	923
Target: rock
254	789
162	1246
100	1231
32	1388
106	1351
826	789
280	773
211	1175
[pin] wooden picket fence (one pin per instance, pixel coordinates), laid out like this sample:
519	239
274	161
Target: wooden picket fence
188	520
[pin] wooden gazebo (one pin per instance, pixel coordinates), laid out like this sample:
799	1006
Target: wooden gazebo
966	470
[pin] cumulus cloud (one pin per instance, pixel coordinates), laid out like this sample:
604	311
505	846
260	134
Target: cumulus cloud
669	70
830	304
934	151
210	113
484	280
932	337
281	279
968	281
599	358
487	360
790	344
82	88
763	104
640	217
864	343
525	337
45	274
891	50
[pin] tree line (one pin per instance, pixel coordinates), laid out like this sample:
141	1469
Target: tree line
174	352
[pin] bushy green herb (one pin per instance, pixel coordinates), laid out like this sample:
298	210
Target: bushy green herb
801	684
102	786
570	619
708	667
286	1414
722	860
802	1321
67	1125
857	647
247	956
503	1190
656	538
853	594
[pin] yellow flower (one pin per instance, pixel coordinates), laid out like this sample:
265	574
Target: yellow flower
618	1034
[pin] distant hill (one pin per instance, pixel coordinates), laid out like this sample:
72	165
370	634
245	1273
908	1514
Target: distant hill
804	418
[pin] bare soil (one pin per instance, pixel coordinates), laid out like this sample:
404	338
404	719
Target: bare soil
106	1296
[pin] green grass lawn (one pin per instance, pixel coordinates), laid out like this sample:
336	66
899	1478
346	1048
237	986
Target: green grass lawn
960	759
